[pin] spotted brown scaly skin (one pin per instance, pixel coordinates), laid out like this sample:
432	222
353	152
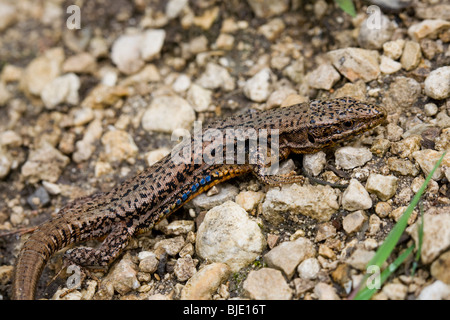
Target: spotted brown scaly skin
139	203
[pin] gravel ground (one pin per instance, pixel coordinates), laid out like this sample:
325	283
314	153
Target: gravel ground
83	109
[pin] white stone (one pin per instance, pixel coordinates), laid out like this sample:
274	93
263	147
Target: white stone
354	221
205	282
200	98
8	15
393	49
229	236
216	77
350	157
356	197
63	89
287	255
266	284
309	268
126	53
324	77
437	84
324	291
356	63
314	163
168	113
438	290
181	83
318	202
436	235
174	8
5	163
259	87
152	43
383	186
389	66
42	70
395	291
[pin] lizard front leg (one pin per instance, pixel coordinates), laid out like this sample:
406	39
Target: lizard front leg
263	169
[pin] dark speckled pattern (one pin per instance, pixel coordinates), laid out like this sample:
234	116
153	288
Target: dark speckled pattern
138	204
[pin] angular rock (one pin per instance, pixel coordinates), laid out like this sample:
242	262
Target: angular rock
374	38
383	186
45	163
309	268
287	255
118	146
427	159
411	56
258	87
163	108
389	66
268	8
360	258
356	197
438	290
126	53
227	192
436	235
324	77
184	268
60	90
123	276
199	98
171	245
86	146
428	28
393	49
350	157
216	77
42	70
395	291
314	163
249	200
440	269
205	282
354	221
266	284
318	202
324	291
356	63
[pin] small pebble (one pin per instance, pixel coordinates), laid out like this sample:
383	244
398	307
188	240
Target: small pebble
383	186
354	221
266	284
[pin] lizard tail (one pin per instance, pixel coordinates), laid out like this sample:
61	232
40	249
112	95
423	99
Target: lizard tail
37	250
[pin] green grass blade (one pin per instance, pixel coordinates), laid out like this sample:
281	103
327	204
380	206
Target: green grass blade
389	244
420	240
367	293
385	250
347	6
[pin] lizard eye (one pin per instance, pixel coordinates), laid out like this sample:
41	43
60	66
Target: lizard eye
348	124
311	138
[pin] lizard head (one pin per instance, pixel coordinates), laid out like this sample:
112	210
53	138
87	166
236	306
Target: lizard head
330	122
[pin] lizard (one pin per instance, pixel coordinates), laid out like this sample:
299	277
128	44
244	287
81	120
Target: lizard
138	204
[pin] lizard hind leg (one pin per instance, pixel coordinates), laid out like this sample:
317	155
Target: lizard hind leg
81	261
101	257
